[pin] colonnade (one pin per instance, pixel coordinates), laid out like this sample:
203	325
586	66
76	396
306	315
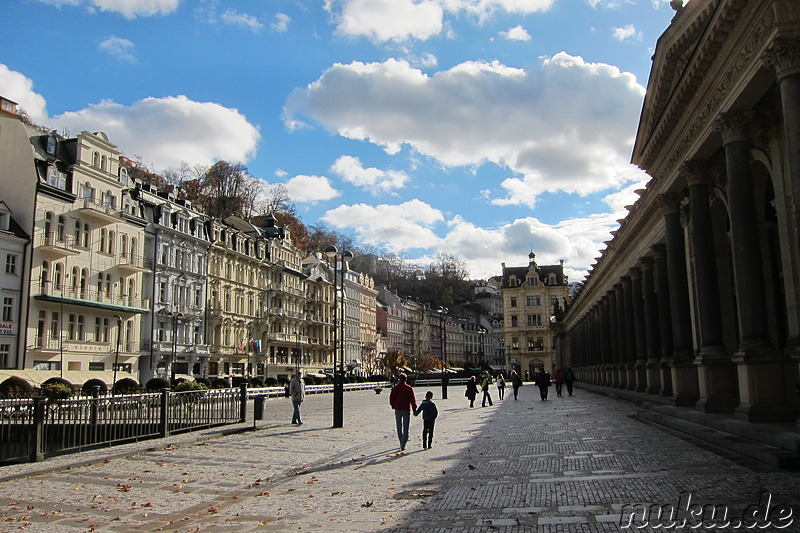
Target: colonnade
702	303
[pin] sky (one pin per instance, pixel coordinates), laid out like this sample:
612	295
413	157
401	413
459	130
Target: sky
482	129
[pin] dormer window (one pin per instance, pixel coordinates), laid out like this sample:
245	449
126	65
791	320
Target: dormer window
56	178
533	281
51	145
123	175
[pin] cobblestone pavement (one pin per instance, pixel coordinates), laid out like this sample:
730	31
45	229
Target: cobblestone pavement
567	464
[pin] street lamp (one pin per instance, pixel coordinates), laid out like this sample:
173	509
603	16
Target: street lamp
338	311
299	353
482	352
116	357
442	319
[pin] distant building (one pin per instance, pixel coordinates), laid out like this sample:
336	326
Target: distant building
531	295
13	244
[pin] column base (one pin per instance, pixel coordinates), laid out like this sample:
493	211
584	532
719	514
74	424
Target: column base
630	377
653	376
684	380
716	377
761	372
765	412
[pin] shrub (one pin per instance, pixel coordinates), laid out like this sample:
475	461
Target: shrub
88	387
220	383
16	387
256	382
57	379
204	381
56	391
126	386
190	386
157	384
238	380
379	377
270	382
308	380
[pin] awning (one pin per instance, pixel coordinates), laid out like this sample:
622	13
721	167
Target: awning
76	377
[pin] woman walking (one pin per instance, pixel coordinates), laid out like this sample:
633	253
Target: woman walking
472	391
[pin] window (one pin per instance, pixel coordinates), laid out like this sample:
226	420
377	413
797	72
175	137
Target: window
55	325
80	328
122	367
51	145
60	227
534	320
513	301
532	300
46	365
514	321
71	326
11	264
97	366
8	308
111	241
5	355
553	301
162	291
551	280
56	178
96	159
533	280
515	343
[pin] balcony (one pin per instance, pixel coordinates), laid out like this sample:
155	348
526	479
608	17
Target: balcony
101	213
90	297
58	246
133	263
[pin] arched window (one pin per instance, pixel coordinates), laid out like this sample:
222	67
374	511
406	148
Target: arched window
103	237
123	245
76	275
48	226
104	163
51	145
123	175
84	282
111	237
77	232
60	228
85	239
44	279
99	285
131	292
58	276
133	247
96	159
108	285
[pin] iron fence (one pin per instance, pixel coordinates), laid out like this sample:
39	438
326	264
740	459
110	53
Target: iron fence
36	428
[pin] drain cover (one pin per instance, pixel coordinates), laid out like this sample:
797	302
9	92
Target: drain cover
414	494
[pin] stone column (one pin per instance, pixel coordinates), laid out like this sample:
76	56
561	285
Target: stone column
758	362
716	375
640	360
611	374
605	335
784	56
630	335
684	373
664	318
651	329
622	342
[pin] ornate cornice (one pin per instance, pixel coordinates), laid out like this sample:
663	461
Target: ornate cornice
703	114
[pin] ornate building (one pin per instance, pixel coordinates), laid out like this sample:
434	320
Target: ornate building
531	295
697	297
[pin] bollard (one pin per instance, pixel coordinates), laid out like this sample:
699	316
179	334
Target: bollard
258	408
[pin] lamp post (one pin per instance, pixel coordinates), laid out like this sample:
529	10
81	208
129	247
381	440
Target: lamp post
482	351
299	353
116	356
442	321
338	380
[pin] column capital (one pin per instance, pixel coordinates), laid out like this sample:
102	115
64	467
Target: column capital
695	172
783	55
732	127
670	202
635	273
646	263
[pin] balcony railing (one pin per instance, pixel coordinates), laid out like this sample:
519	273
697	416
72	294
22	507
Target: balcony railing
101	212
134	263
58	245
89	296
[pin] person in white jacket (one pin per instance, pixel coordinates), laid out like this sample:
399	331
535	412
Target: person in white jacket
297	392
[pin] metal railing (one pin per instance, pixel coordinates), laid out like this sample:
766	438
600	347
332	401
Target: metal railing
36	428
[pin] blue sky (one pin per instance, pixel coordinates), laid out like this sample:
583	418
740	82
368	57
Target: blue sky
479	128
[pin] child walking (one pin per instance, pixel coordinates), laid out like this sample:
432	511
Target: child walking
429	414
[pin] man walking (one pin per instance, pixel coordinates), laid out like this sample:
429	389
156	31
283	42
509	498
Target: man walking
403	402
485	382
297	392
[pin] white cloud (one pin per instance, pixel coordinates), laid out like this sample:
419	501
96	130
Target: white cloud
375	180
119	48
281	23
166	131
401	20
397	227
310	189
233	18
19	88
566	126
517	33
391	20
128	8
627	32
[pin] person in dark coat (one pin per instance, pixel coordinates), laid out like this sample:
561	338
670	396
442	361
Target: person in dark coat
543	382
569	379
516	382
429	414
558	379
472	391
404	403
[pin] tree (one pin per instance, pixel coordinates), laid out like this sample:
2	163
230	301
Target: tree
393	361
